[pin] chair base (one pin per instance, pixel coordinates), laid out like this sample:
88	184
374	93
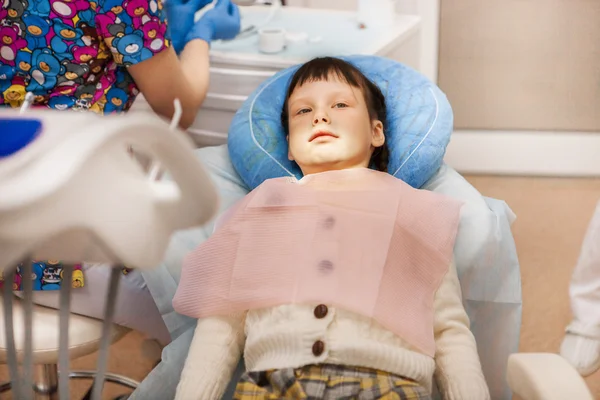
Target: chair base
48	381
108	377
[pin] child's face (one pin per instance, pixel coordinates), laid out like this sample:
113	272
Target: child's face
330	128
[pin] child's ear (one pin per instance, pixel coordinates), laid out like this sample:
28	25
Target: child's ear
378	137
290	157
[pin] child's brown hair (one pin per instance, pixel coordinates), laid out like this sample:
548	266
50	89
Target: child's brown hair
319	69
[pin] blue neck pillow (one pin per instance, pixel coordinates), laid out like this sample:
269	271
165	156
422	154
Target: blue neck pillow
418	126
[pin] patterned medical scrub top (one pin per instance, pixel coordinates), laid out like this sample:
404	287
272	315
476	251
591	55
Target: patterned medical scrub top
74	54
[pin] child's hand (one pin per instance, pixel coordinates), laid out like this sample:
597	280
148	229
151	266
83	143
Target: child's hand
180	18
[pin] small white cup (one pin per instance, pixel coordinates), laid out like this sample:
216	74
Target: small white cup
271	40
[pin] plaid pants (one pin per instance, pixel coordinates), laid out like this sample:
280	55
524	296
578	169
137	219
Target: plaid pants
327	382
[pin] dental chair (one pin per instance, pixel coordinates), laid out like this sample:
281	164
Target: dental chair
70	190
419	128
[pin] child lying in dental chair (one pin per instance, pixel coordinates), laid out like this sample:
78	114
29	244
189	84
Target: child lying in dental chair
339	285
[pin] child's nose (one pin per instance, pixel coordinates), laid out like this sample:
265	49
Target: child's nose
322	117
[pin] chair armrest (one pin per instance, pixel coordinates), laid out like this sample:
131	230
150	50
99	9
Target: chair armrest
545	376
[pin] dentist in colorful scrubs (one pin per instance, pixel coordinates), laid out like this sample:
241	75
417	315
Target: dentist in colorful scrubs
98	55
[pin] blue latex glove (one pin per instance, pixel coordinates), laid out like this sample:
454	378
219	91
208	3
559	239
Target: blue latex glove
180	16
222	22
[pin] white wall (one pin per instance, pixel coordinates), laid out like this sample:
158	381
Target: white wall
522	78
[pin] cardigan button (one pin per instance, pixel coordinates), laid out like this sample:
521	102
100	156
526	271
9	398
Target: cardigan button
318	348
321	311
325	266
328	222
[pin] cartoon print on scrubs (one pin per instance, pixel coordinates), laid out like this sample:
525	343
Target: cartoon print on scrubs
49	275
46	276
73	54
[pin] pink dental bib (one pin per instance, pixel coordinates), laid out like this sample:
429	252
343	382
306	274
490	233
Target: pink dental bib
357	239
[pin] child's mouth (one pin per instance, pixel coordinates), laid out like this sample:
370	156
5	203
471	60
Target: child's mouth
319	134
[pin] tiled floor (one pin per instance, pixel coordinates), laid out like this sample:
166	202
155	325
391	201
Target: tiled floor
552	218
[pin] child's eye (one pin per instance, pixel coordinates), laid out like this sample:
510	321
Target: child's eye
303	111
341	105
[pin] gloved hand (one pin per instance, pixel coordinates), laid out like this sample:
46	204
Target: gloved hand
180	16
222	22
